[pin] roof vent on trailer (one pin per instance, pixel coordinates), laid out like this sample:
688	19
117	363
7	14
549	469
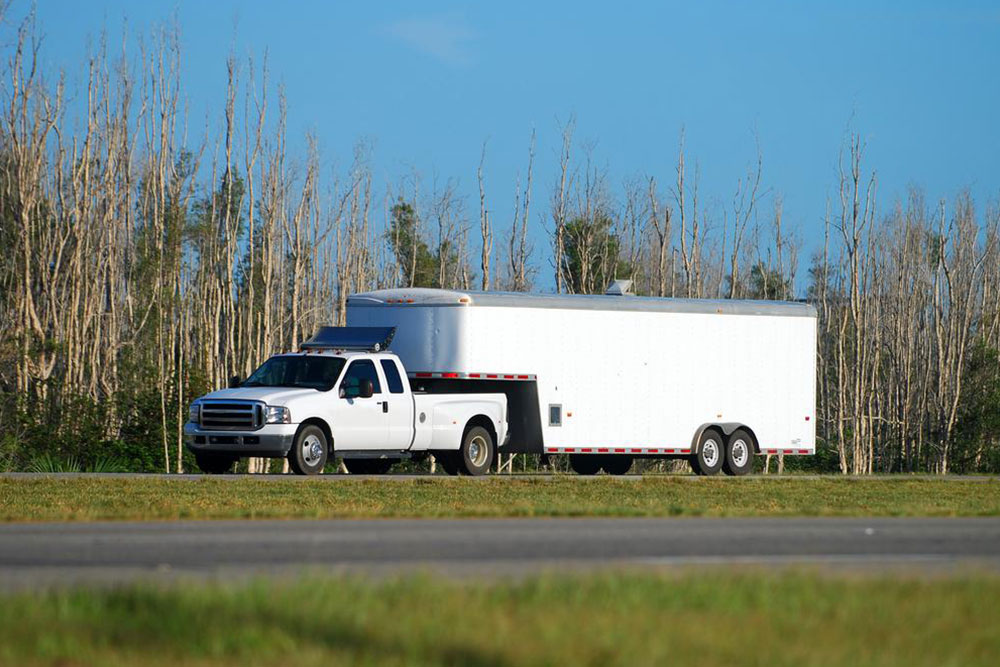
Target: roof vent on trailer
620	288
365	339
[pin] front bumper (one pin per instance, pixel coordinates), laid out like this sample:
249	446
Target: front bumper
269	440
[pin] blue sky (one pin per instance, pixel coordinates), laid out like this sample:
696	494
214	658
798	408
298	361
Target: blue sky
429	82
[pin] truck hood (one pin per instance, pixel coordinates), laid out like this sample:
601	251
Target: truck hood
270	395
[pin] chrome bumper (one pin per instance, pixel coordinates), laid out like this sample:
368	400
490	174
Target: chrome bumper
270	440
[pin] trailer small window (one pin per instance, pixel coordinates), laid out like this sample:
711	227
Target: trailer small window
555	415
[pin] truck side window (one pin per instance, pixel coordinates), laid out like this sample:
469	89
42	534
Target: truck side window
392	376
362	369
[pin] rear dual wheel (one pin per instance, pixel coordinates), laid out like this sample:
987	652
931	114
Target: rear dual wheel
473	457
448	461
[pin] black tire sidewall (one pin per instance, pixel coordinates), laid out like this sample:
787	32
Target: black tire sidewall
616	464
466	466
448	461
295	460
585	464
698	461
727	465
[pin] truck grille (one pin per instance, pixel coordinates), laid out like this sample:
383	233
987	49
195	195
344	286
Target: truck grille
231	415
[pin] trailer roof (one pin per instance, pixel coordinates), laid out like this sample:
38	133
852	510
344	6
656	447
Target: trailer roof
425	296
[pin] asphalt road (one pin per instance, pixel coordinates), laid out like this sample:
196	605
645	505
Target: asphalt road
33	555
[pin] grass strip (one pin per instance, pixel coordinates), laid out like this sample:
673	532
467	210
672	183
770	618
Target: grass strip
137	498
598	619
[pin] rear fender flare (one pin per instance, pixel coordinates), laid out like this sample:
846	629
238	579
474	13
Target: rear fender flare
726	428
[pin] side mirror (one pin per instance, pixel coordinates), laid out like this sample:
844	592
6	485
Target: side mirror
234	381
367	389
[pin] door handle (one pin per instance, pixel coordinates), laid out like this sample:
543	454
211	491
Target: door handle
385	405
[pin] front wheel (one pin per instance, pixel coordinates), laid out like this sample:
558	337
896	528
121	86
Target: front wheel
214	464
475	456
708	459
309	451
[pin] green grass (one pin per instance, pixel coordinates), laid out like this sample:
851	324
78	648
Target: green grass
700	617
82	499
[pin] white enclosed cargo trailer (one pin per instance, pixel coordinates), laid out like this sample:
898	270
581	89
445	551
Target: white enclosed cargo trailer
710	380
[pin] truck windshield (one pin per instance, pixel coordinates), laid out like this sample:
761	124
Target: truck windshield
307	372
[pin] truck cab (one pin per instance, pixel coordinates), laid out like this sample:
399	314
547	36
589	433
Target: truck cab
343	395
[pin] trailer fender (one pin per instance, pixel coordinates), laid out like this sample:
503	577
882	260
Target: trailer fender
726	428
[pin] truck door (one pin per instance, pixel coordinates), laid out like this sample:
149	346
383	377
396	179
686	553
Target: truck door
398	404
360	423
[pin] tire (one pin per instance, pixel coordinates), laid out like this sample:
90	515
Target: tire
214	464
448	461
585	464
309	451
711	452
475	456
739	453
616	464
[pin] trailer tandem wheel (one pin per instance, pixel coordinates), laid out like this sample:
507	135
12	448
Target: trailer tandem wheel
711	452
616	464
585	464
739	453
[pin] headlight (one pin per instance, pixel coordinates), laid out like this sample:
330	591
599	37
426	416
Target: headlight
194	413
274	414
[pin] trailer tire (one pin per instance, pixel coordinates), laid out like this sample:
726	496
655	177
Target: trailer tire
309	451
475	456
616	464
739	453
711	452
214	464
585	464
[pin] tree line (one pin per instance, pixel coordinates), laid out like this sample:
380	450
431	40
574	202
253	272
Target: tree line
140	267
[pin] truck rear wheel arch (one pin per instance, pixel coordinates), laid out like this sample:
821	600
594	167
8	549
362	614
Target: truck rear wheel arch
485	422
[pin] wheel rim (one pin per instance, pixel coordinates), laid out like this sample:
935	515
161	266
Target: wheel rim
478	451
312	450
740	453
710	453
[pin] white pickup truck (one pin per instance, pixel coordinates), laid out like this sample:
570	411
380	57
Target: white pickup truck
343	395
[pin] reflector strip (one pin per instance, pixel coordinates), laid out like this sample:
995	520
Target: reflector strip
616	450
786	451
453	375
